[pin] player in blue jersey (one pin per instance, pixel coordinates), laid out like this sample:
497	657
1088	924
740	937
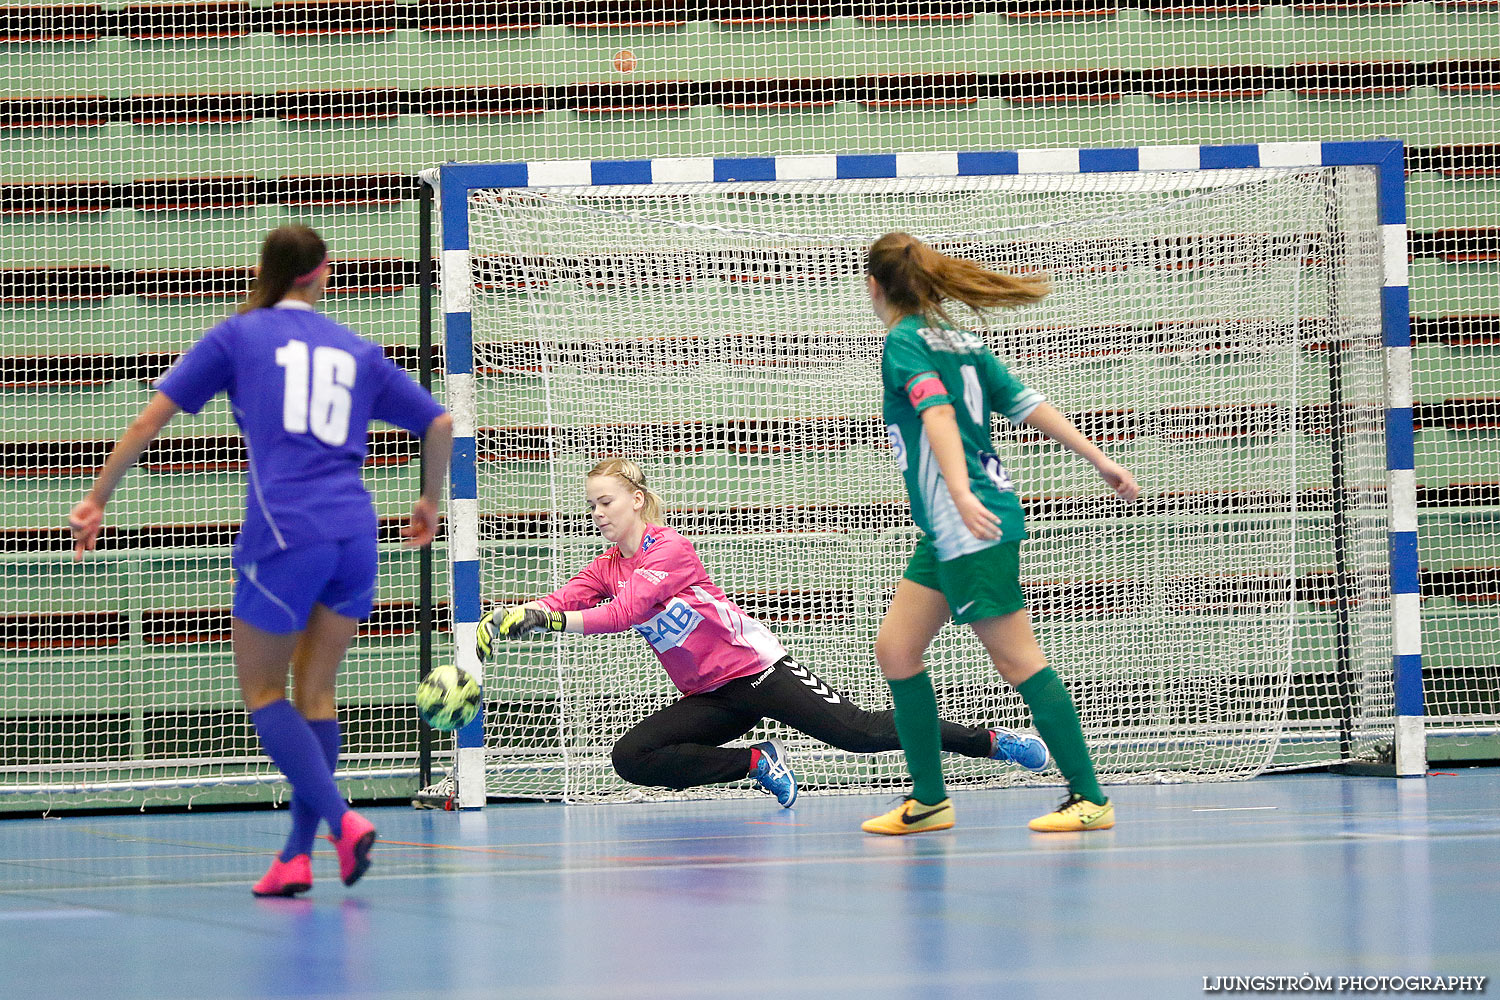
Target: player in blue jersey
941	387
303	390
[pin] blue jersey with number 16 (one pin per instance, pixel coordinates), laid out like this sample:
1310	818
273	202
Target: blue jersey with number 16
303	390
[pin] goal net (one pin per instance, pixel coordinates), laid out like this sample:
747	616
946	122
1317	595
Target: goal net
1218	332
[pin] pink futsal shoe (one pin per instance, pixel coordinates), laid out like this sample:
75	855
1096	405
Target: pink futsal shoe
356	837
285	878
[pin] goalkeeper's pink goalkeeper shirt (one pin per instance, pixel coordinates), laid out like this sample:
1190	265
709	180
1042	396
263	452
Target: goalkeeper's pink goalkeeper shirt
663	592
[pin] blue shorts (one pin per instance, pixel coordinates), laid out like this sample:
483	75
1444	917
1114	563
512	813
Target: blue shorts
277	593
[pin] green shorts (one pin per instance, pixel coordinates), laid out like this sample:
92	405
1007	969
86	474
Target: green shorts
983	584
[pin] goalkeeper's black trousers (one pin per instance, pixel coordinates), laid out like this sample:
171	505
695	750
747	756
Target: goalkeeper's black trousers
679	746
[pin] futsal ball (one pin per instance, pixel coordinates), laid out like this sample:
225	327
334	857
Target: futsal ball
448	698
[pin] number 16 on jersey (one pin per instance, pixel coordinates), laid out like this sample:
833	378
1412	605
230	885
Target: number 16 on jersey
316	401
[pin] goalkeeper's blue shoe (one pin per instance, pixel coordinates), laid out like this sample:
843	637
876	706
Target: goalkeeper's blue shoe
774	773
1018	748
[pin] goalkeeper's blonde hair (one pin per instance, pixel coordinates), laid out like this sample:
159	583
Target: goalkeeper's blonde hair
634	479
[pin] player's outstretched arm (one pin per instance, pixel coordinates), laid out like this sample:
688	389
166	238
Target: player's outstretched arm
586	589
519	622
87	516
525	620
437	448
1053	423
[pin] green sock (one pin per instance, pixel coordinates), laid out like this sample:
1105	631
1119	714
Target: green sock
917	728
1056	720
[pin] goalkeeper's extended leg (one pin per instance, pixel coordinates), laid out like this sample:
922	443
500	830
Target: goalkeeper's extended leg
679	746
792	694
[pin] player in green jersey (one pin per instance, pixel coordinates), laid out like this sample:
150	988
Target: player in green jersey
941	387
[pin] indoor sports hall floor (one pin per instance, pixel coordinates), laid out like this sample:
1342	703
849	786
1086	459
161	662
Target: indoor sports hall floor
1287	875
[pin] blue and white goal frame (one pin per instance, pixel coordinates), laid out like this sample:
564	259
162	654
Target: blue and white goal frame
455	180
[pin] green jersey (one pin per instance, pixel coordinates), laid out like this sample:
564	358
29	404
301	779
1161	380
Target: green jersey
921	368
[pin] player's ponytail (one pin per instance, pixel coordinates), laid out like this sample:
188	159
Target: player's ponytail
631	475
916	279
290	255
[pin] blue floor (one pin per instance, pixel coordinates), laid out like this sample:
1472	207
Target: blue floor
1289	875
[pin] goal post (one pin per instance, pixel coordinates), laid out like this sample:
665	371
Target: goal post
1232	321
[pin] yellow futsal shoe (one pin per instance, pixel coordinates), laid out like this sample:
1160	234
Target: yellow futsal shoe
1076	813
911	816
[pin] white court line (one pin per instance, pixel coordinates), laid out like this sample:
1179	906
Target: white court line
53	914
66	858
687	863
1231	809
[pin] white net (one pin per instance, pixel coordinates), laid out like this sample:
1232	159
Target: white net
720	335
117	682
146	147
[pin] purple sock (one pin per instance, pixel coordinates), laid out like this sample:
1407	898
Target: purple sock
289	742
304	818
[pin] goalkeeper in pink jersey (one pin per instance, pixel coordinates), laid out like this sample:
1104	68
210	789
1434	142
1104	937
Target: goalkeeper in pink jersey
731	670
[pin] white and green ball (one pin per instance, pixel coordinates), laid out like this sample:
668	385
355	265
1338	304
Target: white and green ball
448	698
